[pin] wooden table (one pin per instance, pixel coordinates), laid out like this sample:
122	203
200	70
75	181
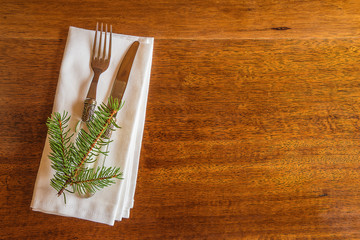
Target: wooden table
252	125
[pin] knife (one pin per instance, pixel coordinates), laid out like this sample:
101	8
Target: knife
121	80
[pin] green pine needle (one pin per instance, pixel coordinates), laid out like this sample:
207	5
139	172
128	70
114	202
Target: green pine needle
69	159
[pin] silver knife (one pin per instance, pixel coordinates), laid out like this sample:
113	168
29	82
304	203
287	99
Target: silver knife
122	78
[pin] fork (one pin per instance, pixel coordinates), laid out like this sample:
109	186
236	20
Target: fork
99	63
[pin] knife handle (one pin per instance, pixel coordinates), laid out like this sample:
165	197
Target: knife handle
89	109
109	130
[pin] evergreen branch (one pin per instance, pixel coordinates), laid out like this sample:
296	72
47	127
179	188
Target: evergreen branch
104	127
69	159
62	137
89	180
59	142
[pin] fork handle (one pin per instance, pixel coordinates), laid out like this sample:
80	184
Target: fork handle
89	109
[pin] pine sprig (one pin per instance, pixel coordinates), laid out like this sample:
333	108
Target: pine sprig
70	158
90	180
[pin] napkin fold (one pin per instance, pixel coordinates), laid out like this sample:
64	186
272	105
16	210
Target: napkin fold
114	202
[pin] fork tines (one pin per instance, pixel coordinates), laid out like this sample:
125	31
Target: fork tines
98	43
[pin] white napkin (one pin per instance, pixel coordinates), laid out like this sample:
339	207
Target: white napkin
114	202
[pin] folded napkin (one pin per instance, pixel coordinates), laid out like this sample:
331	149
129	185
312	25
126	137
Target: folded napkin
114	202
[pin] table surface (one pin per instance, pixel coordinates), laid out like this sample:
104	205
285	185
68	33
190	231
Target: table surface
252	125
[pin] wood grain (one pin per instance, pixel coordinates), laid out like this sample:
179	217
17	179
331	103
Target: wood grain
211	19
249	134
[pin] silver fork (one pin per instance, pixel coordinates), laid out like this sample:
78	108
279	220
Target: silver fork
99	63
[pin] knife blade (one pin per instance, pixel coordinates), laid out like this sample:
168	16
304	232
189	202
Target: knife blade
122	78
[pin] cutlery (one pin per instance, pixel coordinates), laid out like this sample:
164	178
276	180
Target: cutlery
118	90
122	79
99	63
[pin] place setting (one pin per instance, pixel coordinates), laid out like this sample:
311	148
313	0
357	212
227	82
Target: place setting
90	159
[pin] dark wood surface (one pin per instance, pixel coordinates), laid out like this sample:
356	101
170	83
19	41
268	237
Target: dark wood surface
252	125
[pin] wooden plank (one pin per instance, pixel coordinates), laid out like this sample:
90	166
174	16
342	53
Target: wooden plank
212	19
243	139
28	84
